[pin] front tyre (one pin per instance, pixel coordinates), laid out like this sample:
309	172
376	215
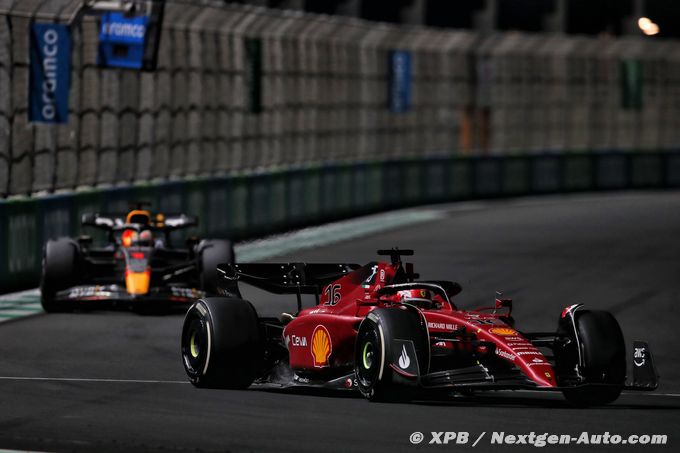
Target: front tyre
380	340
221	345
603	352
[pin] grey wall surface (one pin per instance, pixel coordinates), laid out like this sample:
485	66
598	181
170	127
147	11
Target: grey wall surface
324	95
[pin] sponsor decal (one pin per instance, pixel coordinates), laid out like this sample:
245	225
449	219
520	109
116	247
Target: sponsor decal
442	326
548	375
505	355
127	29
503	331
94	291
349	383
49	82
298	341
537	360
333	294
639	356
300	379
404	359
486	322
382	275
399	99
528	353
371	278
121	40
321	346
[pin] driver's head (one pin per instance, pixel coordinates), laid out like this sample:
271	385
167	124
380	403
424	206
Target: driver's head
145	236
417	297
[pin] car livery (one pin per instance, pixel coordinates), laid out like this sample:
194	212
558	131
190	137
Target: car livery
380	330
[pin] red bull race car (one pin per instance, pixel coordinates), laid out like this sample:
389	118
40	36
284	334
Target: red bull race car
137	267
379	330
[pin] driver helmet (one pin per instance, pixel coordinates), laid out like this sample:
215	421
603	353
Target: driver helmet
145	236
139	217
129	238
418	297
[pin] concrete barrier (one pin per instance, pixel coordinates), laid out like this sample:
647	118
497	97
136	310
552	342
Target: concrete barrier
251	205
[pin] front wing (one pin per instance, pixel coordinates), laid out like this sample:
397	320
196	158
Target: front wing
118	293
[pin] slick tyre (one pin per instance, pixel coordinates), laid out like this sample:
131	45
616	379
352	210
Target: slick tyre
381	337
221	343
59	268
211	253
604	358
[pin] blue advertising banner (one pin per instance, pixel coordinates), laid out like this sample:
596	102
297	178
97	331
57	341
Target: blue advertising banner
399	96
50	73
121	40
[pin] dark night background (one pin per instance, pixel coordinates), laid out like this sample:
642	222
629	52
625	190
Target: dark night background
583	16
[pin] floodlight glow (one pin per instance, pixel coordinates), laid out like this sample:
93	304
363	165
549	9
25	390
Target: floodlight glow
644	23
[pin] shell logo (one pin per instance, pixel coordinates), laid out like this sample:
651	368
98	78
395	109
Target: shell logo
321	346
504	331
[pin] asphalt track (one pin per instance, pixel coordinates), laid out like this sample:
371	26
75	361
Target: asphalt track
112	381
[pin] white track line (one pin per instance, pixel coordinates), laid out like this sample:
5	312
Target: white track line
57	379
641	393
652	393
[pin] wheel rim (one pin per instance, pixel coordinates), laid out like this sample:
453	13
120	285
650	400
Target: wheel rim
193	346
368	363
367	355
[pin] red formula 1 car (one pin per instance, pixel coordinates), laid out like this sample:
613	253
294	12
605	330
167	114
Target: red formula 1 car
378	329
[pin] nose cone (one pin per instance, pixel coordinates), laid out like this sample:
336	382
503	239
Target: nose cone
137	283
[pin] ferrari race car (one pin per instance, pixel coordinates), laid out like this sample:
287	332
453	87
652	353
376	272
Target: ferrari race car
138	267
379	330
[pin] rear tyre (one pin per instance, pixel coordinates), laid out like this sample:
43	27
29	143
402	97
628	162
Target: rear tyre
221	344
211	253
604	359
60	258
375	350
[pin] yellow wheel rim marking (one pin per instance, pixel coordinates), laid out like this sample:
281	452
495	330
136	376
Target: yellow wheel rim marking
368	355
193	345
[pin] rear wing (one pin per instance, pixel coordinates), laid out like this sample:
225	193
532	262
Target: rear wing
111	222
284	278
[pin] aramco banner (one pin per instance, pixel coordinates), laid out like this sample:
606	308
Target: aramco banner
399	96
50	73
121	41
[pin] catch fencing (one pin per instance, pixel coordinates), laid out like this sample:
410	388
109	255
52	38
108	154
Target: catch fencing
242	89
